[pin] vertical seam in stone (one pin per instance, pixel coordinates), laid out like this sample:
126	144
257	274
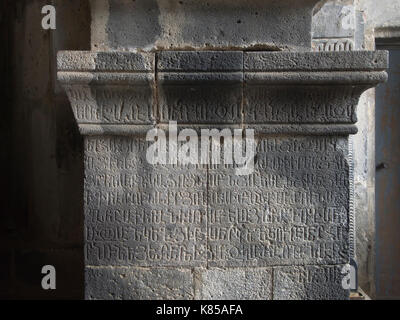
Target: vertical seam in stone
193	283
196	284
272	282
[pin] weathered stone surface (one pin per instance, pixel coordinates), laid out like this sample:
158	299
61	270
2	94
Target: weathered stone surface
120	104
292	210
200	87
104	61
195	78
201	103
383	19
333	45
234	284
116	283
139	214
335	20
316	61
338	26
87	76
282	104
309	283
192	24
187	61
336	69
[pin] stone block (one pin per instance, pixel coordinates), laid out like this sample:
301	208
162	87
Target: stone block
309	283
191	24
201	103
139	214
291	105
109	87
120	104
200	87
205	231
116	283
316	61
188	61
104	61
292	210
235	284
335	20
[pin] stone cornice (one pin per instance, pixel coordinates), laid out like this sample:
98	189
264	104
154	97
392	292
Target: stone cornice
125	93
360	67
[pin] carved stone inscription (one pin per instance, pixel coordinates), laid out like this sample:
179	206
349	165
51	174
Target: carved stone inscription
292	210
118	104
140	214
300	105
309	283
214	104
280	228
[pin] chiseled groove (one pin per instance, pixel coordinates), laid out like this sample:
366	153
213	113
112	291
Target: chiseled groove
137	129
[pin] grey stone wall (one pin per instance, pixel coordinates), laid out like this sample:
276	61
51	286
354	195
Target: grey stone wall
340	26
353	25
346	33
382	17
202	25
382	22
42	190
203	228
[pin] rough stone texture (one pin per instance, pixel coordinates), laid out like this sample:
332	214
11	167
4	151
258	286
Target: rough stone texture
315	61
353	25
334	26
212	79
101	61
116	283
129	101
123	104
140	214
235	284
338	26
274	104
200	61
192	24
336	19
292	210
215	104
42	209
309	283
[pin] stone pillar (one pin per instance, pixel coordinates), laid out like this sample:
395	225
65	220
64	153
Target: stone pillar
341	26
200	231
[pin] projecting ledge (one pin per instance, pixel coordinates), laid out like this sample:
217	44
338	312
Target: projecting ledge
277	92
359	67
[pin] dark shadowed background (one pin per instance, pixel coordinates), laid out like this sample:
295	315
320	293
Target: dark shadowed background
41	219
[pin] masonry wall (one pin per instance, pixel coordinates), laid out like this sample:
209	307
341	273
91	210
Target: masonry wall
354	25
42	217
